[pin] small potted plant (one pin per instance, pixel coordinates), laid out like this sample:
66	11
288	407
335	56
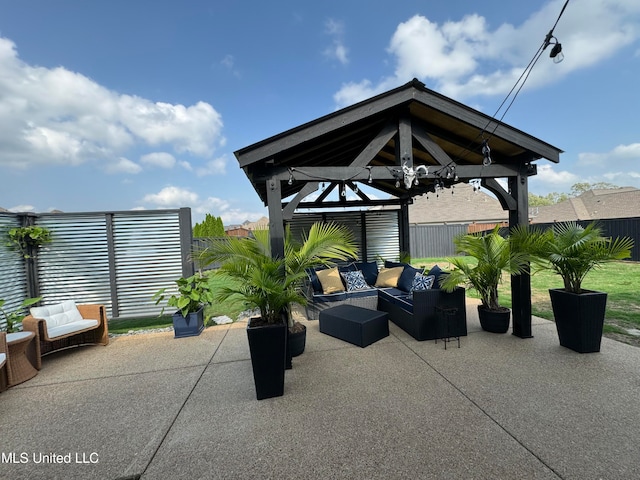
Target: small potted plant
572	251
494	257
28	239
13	318
194	293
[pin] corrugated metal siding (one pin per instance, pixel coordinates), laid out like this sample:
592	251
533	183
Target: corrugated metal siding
147	258
434	240
13	277
380	229
383	235
75	265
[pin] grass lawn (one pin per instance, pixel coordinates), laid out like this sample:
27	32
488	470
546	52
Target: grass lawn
621	280
230	308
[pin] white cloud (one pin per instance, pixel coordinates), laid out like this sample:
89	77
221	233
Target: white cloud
22	208
466	57
56	116
122	165
337	50
217	166
159	159
620	166
176	197
172	197
229	63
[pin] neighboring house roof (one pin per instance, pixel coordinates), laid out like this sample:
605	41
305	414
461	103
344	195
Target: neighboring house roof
592	205
463	206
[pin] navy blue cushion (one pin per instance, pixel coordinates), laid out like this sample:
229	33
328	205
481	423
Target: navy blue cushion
405	282
313	278
436	271
369	270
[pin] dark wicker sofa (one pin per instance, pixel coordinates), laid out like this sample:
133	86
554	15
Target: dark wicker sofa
416	313
413	311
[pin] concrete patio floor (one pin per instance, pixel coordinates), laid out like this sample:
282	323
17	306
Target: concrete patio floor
153	407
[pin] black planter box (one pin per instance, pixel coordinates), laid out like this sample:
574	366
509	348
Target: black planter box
267	345
189	326
494	321
579	318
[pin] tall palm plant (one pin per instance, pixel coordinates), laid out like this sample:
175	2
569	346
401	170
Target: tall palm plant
571	250
269	284
494	256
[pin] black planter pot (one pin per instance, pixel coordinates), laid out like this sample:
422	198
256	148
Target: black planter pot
494	321
267	344
579	318
297	341
189	326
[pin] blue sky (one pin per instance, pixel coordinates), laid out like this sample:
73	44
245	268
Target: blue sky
131	104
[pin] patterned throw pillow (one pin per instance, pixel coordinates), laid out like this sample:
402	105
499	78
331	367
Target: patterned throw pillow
422	282
354	280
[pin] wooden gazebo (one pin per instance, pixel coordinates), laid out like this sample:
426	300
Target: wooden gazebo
404	142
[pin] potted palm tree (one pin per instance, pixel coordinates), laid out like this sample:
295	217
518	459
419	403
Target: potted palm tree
194	293
493	256
572	251
272	285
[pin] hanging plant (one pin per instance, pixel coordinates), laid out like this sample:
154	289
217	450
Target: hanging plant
28	239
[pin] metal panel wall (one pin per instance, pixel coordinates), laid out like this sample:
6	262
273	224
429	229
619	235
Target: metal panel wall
75	265
13	277
376	232
147	258
383	235
434	240
118	259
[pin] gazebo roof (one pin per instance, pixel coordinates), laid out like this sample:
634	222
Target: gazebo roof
376	133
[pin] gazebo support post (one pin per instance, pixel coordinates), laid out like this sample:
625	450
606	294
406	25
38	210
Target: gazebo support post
276	220
520	284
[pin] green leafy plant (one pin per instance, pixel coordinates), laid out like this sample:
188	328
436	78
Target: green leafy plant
269	284
13	318
571	250
194	292
26	239
494	256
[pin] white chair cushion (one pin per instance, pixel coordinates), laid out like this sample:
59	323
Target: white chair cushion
3	357
72	327
57	315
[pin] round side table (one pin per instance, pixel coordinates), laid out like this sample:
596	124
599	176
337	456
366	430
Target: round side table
23	359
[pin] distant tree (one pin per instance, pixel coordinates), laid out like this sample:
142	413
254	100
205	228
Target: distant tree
210	227
582	187
549	199
576	189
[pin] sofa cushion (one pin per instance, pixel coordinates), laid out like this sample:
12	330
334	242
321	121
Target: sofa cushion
388	277
71	327
436	271
330	297
369	270
422	282
330	280
58	314
405	282
354	280
312	273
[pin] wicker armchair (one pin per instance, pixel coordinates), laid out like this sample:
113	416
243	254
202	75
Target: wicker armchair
98	334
